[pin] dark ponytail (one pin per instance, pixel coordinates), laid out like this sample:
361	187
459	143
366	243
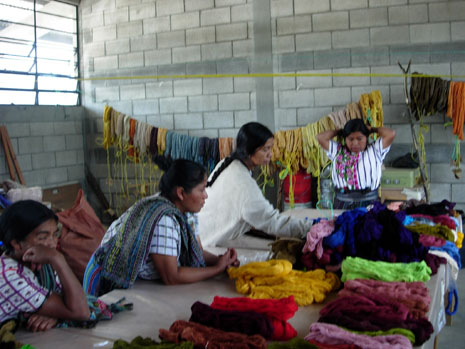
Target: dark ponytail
20	219
250	137
178	173
355	125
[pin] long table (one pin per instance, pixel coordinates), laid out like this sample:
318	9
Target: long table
158	306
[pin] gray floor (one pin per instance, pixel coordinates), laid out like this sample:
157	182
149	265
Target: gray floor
453	337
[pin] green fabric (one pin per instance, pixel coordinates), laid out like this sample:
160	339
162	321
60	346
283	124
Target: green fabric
296	343
148	343
359	268
402	331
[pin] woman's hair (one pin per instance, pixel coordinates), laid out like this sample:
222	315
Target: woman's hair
20	219
250	137
354	125
178	173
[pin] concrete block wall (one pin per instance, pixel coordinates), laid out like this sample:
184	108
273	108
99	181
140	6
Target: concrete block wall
48	142
139	39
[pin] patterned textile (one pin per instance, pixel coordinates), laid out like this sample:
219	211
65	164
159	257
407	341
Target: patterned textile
122	255
20	290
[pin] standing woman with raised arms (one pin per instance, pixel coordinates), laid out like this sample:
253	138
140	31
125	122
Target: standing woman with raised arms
235	202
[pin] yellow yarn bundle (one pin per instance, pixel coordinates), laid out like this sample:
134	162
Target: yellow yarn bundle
372	108
275	279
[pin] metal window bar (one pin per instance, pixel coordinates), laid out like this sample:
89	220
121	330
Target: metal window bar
33	70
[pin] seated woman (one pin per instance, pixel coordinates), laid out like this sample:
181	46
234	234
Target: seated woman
35	280
156	238
356	170
235	202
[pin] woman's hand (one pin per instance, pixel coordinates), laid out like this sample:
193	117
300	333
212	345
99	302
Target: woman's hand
228	259
38	255
38	322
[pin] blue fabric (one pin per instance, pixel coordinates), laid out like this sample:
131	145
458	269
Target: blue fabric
452	250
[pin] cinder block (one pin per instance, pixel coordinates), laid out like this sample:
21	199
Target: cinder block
92	20
43	160
156	25
396	93
435	32
382	80
332	59
185	20
189	87
458	192
104	94
120	15
337	5
163	120
130	92
129	30
216	51
121	3
403	53
218	120
54	143
285	117
210	133
295	61
215	16
332	96
188	121
94	50
389	35
294	25
283	44
203	103
384	3
35	178
228	132
404	135
217	85
145	107
56	176
458	31
66	158
228	32
323	80
131	60
221	3
234	101
281	8
408	14
312	42
200	35
201	68
433	69
243	48
115	47
76	173
373	17
458	68
157	57
441	134
440	191
357	91
171	39
244	84
351	38
296	99
66	128
441	173
144	43
74	142
186	54
41	128
284	83
104	33
18	129
232	66
310	6
194	5
351	80
447	11
395	113
142	11
25	162
172	69
331	21
363	57
310	115
244	116
447	52
242	13
105	63
168	7
173	105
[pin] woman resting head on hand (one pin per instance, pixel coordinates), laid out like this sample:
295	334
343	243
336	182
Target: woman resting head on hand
35	279
159	236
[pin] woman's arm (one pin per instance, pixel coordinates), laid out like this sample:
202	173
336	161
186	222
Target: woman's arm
72	304
172	274
387	134
324	138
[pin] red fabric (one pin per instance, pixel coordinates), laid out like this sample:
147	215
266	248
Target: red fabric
81	234
278	310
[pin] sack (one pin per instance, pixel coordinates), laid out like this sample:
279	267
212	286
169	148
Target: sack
406	161
81	234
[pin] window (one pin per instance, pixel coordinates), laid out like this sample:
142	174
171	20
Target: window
38	53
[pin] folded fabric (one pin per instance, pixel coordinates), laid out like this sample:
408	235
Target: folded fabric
149	343
315	236
331	334
211	338
359	268
246	322
277	310
276	279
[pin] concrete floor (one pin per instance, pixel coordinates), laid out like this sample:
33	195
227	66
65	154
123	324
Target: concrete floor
453	337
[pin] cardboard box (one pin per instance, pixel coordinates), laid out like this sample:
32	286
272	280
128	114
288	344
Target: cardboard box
400	177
